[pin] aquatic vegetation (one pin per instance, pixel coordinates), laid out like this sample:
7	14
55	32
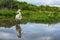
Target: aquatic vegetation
30	16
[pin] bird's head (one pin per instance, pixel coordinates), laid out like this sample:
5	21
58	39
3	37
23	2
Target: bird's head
19	10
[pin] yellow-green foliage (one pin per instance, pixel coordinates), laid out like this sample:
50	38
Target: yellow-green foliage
7	13
33	16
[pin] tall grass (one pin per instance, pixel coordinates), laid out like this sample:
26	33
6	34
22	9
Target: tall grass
32	16
7	13
42	16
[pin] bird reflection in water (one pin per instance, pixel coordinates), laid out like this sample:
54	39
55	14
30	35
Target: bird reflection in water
18	30
18	18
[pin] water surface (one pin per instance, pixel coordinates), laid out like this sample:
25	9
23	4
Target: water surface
31	31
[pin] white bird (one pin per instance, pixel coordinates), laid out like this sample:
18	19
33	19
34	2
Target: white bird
19	15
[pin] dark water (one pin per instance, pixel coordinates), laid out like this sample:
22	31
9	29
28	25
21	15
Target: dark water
31	31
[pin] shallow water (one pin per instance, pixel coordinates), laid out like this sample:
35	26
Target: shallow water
31	31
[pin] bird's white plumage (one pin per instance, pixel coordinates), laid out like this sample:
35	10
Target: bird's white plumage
18	16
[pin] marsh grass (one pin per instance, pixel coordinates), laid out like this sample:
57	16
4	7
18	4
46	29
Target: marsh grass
32	16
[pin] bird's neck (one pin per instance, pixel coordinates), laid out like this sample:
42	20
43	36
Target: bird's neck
19	13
